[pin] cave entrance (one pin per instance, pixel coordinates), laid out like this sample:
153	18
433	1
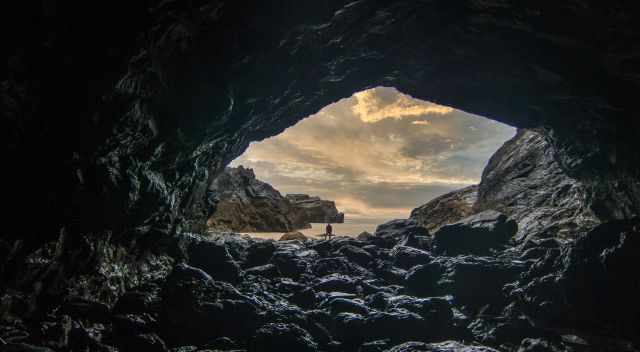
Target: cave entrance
377	154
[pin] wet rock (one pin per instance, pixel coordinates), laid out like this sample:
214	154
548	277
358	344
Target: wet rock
293	236
197	309
408	257
340	265
356	255
395	324
364	236
389	233
435	310
23	347
447	346
476	234
446	209
141	342
423	279
142	299
85	309
273	337
336	282
268	270
214	259
305	298
345	305
259	253
525	181
349	328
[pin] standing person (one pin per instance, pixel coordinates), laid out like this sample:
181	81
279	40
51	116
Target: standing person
329	231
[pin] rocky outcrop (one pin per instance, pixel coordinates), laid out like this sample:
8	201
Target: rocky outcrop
233	292
477	234
446	209
524	181
245	204
316	209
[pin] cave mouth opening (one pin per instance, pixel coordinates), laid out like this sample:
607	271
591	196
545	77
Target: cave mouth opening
377	154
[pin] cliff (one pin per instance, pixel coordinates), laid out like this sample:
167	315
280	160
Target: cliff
245	204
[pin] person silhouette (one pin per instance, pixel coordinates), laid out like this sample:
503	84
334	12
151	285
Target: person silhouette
329	231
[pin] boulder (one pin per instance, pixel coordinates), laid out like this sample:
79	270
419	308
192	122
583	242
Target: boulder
477	234
273	337
356	254
293	236
447	346
364	236
393	231
407	257
214	259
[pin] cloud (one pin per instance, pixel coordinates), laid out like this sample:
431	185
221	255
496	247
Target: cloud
378	154
373	105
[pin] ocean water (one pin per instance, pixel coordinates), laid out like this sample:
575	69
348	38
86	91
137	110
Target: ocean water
350	228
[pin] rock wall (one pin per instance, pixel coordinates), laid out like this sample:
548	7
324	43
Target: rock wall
524	181
316	209
245	204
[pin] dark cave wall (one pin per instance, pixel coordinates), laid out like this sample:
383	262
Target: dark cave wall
130	126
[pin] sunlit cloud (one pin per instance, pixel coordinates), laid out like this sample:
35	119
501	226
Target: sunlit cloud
378	154
373	105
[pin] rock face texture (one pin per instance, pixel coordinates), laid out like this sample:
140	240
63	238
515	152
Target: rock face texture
477	234
316	209
446	209
245	204
524	181
133	125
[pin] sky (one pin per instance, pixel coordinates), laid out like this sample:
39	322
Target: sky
378	154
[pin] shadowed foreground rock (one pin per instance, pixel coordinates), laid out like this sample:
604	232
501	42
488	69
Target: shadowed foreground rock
347	294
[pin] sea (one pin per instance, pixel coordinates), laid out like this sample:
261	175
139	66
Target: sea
350	227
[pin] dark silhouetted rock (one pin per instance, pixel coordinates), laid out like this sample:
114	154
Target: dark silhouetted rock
389	233
274	337
408	257
259	253
476	234
447	346
356	254
214	259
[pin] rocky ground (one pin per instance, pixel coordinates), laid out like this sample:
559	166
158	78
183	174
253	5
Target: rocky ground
464	288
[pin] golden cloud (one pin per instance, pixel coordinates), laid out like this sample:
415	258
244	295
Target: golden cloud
370	109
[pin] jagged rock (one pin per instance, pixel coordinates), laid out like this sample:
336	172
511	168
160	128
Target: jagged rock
197	309
214	259
345	305
259	253
408	257
275	337
293	236
316	209
389	233
447	346
356	254
246	204
476	234
446	209
268	270
364	236
524	180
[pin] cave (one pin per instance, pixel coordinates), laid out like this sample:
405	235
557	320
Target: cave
118	116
